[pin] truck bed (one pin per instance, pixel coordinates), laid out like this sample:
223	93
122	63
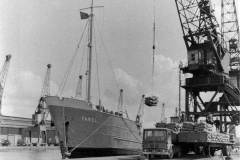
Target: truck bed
203	137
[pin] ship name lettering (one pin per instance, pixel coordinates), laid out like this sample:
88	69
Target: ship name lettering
89	119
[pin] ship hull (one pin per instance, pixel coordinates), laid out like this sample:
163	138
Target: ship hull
87	132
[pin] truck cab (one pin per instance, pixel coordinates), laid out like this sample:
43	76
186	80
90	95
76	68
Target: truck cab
158	142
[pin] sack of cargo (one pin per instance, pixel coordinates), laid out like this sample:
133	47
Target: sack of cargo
160	125
203	127
174	126
188	126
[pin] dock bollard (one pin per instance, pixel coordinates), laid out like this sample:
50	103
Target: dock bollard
63	150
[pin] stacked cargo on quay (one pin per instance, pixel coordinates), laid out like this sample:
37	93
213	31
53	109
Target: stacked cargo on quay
179	139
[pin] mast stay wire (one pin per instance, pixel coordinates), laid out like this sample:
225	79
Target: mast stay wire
83	50
109	59
97	65
67	73
82	58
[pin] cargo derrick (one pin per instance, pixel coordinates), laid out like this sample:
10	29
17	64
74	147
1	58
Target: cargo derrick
40	116
205	54
3	76
139	117
78	93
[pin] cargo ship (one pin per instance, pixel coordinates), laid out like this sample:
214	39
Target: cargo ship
86	130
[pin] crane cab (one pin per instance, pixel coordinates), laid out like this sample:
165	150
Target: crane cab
201	57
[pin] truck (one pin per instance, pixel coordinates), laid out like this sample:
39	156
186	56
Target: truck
165	142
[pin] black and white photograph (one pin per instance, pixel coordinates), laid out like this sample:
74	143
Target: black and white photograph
120	79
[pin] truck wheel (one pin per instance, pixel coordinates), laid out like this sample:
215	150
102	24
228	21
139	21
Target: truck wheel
179	154
171	154
206	151
196	150
226	151
177	151
212	152
150	156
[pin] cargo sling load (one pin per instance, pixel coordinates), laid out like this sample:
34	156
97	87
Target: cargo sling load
152	100
86	130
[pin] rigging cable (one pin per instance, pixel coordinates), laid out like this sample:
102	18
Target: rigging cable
109	59
82	60
66	76
97	66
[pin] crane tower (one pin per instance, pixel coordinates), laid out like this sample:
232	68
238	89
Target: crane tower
46	83
139	117
41	113
230	41
78	93
205	53
3	76
230	38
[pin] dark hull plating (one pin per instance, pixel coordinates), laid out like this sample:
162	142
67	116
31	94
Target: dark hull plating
101	152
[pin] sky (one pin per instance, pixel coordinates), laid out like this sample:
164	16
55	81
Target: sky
37	32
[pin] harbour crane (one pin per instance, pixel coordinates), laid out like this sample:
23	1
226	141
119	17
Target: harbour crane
120	106
78	93
230	41
139	117
3	76
41	113
205	53
163	117
230	38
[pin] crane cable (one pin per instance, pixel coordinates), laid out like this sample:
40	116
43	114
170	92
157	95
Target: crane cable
154	42
153	100
66	76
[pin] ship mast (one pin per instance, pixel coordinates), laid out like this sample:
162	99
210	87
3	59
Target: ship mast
89	67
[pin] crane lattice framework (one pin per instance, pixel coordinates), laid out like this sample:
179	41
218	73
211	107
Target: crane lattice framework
3	76
41	112
205	54
46	83
40	116
230	38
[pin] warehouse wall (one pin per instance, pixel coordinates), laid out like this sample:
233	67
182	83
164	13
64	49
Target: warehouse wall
16	129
